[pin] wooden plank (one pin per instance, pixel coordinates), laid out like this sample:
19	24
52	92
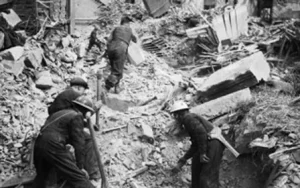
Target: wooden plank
227	23
196	31
234	25
135	54
71	14
218	25
242	16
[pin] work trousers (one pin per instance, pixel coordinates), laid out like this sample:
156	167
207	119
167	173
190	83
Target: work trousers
206	175
93	42
49	154
117	55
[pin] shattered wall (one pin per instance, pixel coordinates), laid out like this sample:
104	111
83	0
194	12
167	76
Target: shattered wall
286	9
33	13
25	9
55	9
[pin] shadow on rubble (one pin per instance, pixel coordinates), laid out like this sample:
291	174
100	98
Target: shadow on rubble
250	170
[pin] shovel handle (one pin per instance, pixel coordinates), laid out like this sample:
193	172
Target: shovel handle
99	76
228	146
104	183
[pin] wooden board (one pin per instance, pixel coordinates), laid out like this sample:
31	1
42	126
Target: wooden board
219	27
242	17
227	23
196	31
234	25
135	54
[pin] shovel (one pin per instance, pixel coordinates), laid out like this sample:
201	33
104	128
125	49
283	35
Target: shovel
104	183
99	76
216	133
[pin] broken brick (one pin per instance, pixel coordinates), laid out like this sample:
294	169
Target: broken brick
44	80
12	61
34	58
148	133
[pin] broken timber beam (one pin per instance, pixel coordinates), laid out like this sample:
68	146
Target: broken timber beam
113	129
137	172
245	73
222	105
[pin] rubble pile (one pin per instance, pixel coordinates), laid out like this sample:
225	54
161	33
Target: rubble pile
280	37
22	112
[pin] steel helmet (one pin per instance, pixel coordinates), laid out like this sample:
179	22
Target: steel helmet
84	102
179	105
78	81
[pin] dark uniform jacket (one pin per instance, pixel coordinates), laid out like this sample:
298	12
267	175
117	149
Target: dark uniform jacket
63	101
197	128
65	130
124	34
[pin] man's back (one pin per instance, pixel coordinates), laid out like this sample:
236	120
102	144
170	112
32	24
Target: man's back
124	34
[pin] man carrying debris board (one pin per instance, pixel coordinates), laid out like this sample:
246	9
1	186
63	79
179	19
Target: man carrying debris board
50	151
65	101
117	47
206	153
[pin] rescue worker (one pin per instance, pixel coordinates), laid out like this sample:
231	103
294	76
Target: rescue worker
50	151
117	47
206	153
65	101
94	39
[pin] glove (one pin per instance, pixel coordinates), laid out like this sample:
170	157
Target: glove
85	173
178	167
204	158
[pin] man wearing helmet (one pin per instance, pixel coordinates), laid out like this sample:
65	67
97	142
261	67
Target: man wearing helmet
50	151
117	52
65	101
206	154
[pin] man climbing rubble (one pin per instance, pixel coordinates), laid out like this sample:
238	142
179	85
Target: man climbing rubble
206	153
65	101
117	52
50	151
94	40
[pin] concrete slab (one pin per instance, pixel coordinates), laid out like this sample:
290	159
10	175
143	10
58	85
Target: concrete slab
222	105
242	74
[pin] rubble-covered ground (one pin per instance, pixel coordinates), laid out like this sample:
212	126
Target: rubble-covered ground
268	123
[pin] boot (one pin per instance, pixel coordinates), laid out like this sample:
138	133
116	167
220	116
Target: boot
118	89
